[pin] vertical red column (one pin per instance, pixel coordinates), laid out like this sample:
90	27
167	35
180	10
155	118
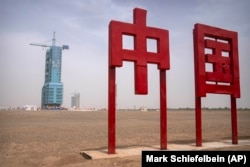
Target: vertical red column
197	60
198	122
111	111
234	120
163	108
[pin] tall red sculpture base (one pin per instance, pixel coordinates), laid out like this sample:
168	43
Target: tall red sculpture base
112	111
198	119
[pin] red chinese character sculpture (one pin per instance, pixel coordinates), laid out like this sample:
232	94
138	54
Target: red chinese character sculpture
140	56
218	49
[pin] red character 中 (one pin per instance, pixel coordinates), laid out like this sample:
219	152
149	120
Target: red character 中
141	57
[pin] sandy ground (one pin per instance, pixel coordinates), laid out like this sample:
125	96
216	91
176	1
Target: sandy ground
47	138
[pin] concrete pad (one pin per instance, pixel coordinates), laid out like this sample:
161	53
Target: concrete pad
183	147
216	145
120	152
136	151
240	142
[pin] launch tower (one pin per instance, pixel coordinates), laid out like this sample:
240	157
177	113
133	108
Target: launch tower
52	91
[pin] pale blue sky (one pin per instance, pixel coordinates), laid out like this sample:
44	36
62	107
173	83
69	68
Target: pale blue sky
83	25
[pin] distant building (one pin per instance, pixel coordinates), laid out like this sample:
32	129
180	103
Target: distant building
30	107
52	91
144	109
75	101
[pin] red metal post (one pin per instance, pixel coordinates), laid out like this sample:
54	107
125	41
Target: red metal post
163	108
111	111
234	120
198	121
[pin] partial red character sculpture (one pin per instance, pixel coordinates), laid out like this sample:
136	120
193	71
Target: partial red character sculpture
216	70
141	57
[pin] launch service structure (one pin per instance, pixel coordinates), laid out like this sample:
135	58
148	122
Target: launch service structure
52	90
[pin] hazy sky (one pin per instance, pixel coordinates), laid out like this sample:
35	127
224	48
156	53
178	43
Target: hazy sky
83	25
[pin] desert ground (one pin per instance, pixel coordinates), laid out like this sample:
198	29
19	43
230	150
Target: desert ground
55	138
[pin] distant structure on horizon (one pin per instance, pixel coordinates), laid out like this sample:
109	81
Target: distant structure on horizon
30	108
52	91
75	101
